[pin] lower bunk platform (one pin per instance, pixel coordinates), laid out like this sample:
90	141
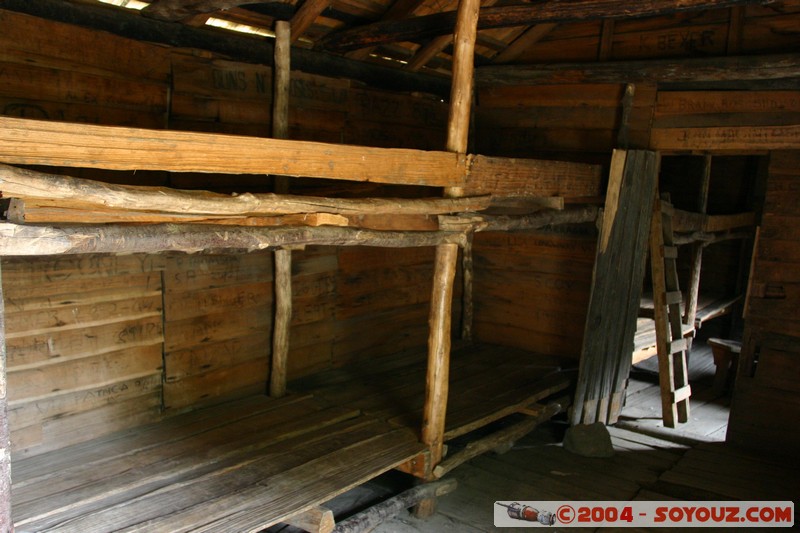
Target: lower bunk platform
255	462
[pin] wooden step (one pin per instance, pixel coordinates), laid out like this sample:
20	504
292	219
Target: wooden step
682	394
677	346
674	298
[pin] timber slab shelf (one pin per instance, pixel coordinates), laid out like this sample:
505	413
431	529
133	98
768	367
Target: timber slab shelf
255	462
240	466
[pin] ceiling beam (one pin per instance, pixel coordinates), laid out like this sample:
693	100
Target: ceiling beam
429	26
178	10
236	47
306	15
531	36
685	70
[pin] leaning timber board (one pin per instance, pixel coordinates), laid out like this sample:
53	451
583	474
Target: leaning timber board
241	466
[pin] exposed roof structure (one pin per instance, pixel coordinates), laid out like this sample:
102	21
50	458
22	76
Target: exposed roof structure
414	37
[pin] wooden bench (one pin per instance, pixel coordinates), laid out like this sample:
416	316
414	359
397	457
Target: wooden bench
726	357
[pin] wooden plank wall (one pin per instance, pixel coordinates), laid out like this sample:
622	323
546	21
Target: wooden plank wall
725	120
532	289
41	77
384	295
84	345
217	327
767	395
215	95
575	122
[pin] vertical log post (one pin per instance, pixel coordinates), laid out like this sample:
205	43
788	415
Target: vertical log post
433	420
283	319
467	272
283	258
5	441
693	291
280	96
435	410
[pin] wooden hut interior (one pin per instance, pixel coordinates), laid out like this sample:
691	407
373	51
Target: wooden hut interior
256	255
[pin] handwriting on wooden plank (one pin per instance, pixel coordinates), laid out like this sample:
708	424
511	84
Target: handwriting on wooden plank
733	138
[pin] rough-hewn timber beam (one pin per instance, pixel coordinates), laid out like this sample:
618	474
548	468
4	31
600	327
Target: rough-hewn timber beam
128	24
33	142
22	240
429	26
115	148
177	10
24	183
306	15
470	223
702	69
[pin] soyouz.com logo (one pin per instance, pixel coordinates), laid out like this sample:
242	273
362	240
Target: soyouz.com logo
643	514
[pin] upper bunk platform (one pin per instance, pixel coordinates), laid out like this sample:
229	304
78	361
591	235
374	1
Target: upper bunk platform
255	462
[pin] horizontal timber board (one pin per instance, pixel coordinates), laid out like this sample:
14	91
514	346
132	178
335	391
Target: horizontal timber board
713	102
63	403
527	177
213	356
727	138
62	144
34	142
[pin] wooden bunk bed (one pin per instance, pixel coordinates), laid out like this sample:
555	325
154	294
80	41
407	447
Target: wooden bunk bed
248	464
700	230
245	465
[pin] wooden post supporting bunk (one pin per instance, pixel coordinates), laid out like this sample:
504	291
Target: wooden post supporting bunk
439	350
458	128
283	319
435	410
5	441
693	291
280	99
283	257
467	301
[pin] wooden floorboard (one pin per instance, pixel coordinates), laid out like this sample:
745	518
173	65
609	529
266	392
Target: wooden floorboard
709	409
735	474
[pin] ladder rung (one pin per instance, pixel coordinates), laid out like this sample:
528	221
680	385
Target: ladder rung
670	252
674	297
677	346
681	394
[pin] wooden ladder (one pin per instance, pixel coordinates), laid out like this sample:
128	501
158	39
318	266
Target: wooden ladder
671	334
